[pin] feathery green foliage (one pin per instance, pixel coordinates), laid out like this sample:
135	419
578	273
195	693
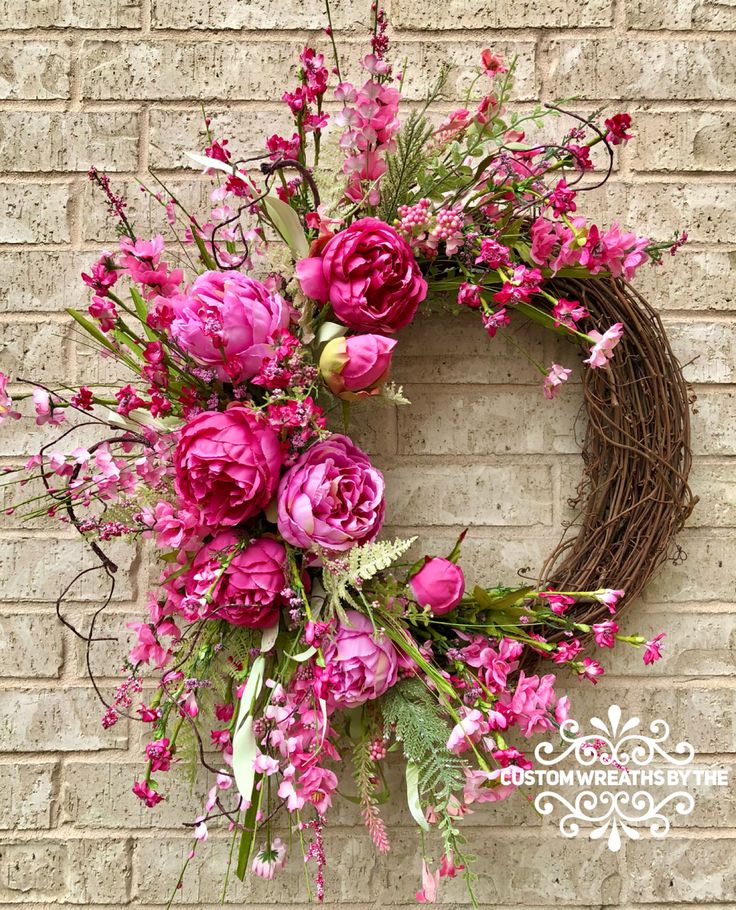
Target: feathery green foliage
423	732
364	563
404	165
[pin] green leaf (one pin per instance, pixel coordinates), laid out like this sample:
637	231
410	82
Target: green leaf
499	601
412	795
287	223
455	552
249	832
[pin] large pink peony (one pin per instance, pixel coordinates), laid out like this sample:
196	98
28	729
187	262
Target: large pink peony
365	663
226	322
248	591
369	275
227	465
331	498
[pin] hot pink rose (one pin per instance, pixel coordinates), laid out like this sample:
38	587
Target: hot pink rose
369	275
226	322
227	465
439	585
365	664
331	498
358	366
248	591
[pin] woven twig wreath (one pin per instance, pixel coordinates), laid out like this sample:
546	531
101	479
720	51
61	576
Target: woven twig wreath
634	495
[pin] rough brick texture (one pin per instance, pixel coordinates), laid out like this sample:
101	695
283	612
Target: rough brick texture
118	83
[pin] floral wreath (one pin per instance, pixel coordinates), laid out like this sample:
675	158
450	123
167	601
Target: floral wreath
283	634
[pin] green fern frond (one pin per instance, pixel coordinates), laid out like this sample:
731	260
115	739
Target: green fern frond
415	715
361	563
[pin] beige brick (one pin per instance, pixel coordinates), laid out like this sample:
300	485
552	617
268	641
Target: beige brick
99	872
35	350
469	494
424	59
683	870
707	574
27	796
70	14
713	415
37	70
259	15
372	426
714	344
696	644
680	14
30	213
677	141
106	657
39	141
624	69
38	569
715	484
460	14
173	133
488	557
156	69
705	210
485	420
106	800
153	69
30	645
691	281
35	281
144	212
32	871
56	720
445	348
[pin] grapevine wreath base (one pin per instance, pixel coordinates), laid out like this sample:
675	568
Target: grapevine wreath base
634	496
285	645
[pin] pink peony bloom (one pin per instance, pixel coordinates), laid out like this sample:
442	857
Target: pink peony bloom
226	322
333	497
554	379
247	591
356	367
439	585
227	465
365	663
653	649
369	275
602	350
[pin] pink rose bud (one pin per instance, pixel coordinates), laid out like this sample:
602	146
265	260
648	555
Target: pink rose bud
439	585
358	366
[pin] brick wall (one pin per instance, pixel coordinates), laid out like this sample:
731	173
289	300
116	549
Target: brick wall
118	83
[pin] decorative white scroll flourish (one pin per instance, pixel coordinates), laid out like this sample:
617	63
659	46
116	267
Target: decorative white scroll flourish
618	745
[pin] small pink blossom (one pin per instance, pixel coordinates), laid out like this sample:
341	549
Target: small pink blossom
605	633
602	350
493	64
269	860
554	379
653	649
590	669
6	402
45	411
145	793
430	884
609	597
